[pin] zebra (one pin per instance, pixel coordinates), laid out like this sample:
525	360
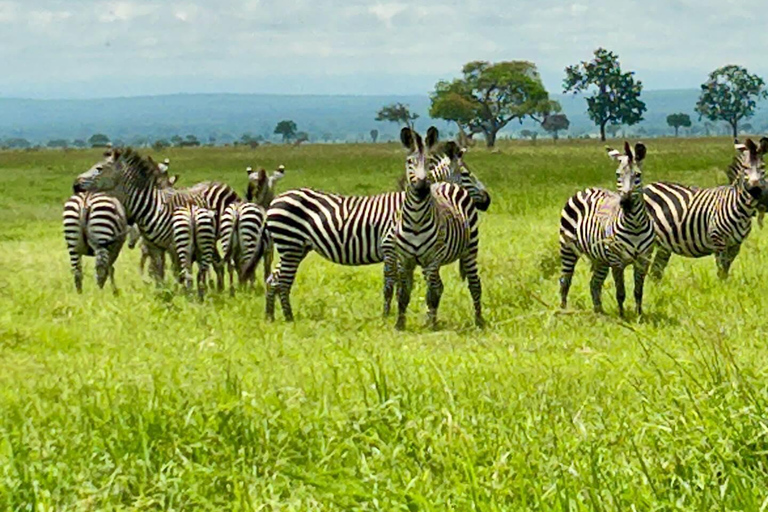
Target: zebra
95	224
194	238
613	229
436	224
697	222
261	188
733	172
124	174
242	241
134	233
349	230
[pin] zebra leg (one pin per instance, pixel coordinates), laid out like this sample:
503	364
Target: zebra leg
621	291
231	270
640	270
599	273
76	264
434	293
660	262
469	269
218	267
568	258
405	285
390	278
281	281
202	275
725	259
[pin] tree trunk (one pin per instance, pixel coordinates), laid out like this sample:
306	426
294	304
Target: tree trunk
677	128
602	130
490	137
554	136
734	125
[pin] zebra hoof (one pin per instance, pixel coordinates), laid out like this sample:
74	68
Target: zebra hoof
400	325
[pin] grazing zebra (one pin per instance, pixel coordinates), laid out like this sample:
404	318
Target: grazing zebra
194	237
261	189
349	230
242	243
436	225
131	179
94	225
613	229
697	222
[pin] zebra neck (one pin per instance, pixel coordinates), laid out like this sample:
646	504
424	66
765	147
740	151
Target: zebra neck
634	212
745	199
418	212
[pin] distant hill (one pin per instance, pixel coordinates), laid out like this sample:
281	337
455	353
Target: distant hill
227	116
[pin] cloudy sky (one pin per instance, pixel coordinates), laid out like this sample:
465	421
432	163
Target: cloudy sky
79	48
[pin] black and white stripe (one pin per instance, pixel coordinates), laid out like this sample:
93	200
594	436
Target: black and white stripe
696	222
194	237
348	230
131	179
436	225
613	229
95	224
242	241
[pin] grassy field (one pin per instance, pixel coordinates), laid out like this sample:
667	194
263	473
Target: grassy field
152	401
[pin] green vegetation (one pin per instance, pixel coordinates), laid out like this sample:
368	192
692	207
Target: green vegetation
730	94
150	400
615	98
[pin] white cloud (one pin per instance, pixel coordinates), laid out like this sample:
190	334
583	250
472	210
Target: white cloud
672	43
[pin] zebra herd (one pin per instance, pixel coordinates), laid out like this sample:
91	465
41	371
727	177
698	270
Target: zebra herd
433	222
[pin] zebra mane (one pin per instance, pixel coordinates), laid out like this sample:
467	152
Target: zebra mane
144	168
733	170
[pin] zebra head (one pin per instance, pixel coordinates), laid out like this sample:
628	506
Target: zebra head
416	163
469	181
101	177
629	175
257	185
752	176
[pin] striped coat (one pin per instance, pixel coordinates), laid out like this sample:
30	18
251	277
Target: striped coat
94	225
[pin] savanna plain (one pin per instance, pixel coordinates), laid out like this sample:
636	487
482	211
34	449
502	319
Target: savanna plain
152	400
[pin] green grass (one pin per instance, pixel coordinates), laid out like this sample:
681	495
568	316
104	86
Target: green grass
153	401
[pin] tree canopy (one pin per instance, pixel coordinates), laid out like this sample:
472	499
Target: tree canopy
616	95
287	129
397	113
555	123
98	140
490	95
679	120
730	94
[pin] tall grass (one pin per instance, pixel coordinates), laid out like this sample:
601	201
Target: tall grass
153	401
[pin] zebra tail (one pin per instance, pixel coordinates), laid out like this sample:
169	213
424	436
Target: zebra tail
248	269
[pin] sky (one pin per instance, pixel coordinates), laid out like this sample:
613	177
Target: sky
85	49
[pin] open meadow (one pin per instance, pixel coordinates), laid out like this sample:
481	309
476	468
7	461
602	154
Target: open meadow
150	400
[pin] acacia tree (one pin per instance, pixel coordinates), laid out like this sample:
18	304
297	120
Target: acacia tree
98	140
616	95
374	135
679	120
730	94
490	95
397	113
287	129
555	123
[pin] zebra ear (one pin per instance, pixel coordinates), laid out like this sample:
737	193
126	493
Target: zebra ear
628	150
752	147
249	170
173	179
408	139
640	152
453	150
613	153
432	136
